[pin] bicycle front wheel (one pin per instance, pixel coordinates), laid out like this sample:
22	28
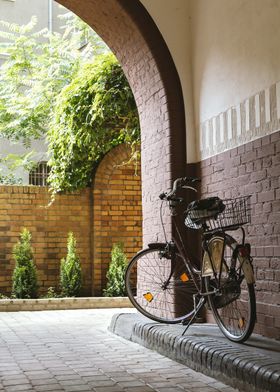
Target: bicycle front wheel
159	285
234	304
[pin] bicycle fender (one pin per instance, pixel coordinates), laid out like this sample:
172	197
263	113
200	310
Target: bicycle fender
247	269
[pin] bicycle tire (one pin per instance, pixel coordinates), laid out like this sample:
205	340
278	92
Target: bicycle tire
145	280
234	310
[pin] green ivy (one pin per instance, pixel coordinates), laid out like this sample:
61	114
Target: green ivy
36	67
38	64
94	113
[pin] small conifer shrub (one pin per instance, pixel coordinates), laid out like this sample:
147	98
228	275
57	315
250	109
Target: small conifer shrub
24	276
51	293
115	275
70	270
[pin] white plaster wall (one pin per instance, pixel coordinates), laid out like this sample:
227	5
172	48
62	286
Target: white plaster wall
38	147
225	51
235	52
172	19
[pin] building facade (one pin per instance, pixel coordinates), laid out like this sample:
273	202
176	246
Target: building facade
205	75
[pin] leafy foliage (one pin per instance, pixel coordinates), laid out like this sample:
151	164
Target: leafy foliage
115	275
10	163
49	81
94	113
24	275
38	65
9	179
51	293
70	270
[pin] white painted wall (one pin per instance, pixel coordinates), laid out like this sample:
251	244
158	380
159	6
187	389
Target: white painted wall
39	148
235	52
225	51
20	12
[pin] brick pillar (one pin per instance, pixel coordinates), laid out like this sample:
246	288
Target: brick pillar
117	211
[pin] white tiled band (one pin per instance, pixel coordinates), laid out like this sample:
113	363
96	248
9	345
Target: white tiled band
255	117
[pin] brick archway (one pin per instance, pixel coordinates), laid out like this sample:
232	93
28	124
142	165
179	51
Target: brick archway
132	35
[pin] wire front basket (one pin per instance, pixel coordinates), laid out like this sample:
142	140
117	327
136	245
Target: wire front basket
237	212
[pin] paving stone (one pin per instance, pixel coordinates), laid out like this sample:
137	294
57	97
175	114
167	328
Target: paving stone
15	382
138	389
38	374
16	388
73	351
48	387
171	389
104	383
63	377
109	389
44	381
130	383
79	387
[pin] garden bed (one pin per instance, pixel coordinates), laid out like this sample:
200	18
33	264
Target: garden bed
16	305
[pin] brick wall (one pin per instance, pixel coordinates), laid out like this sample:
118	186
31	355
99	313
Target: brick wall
23	206
254	169
117	211
117	217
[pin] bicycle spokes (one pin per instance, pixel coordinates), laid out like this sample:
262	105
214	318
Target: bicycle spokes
233	303
159	285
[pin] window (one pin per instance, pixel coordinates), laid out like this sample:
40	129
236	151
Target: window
39	175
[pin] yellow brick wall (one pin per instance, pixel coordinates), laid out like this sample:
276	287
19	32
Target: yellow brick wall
98	217
23	206
117	211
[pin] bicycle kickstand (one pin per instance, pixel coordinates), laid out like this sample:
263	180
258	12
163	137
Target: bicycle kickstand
201	303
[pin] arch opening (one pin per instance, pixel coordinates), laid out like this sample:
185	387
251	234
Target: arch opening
131	34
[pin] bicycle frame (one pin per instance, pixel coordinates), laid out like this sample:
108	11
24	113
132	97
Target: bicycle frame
217	278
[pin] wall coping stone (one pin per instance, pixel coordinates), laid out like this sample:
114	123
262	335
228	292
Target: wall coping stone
16	305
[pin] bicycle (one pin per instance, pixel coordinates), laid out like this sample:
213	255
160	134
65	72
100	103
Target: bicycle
165	283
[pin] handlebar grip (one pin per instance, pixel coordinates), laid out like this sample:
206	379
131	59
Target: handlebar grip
162	196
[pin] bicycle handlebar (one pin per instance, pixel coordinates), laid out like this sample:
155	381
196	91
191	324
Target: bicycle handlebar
177	184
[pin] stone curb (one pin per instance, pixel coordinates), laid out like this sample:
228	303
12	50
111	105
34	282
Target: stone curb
16	305
231	363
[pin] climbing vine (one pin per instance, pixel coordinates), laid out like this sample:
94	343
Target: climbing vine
94	113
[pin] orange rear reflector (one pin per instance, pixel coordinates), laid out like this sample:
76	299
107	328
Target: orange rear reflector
241	322
184	277
148	296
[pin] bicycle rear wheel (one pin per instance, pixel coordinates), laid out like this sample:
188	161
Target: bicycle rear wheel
234	304
159	286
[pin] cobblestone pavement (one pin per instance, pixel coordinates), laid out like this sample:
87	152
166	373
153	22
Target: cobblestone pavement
73	351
